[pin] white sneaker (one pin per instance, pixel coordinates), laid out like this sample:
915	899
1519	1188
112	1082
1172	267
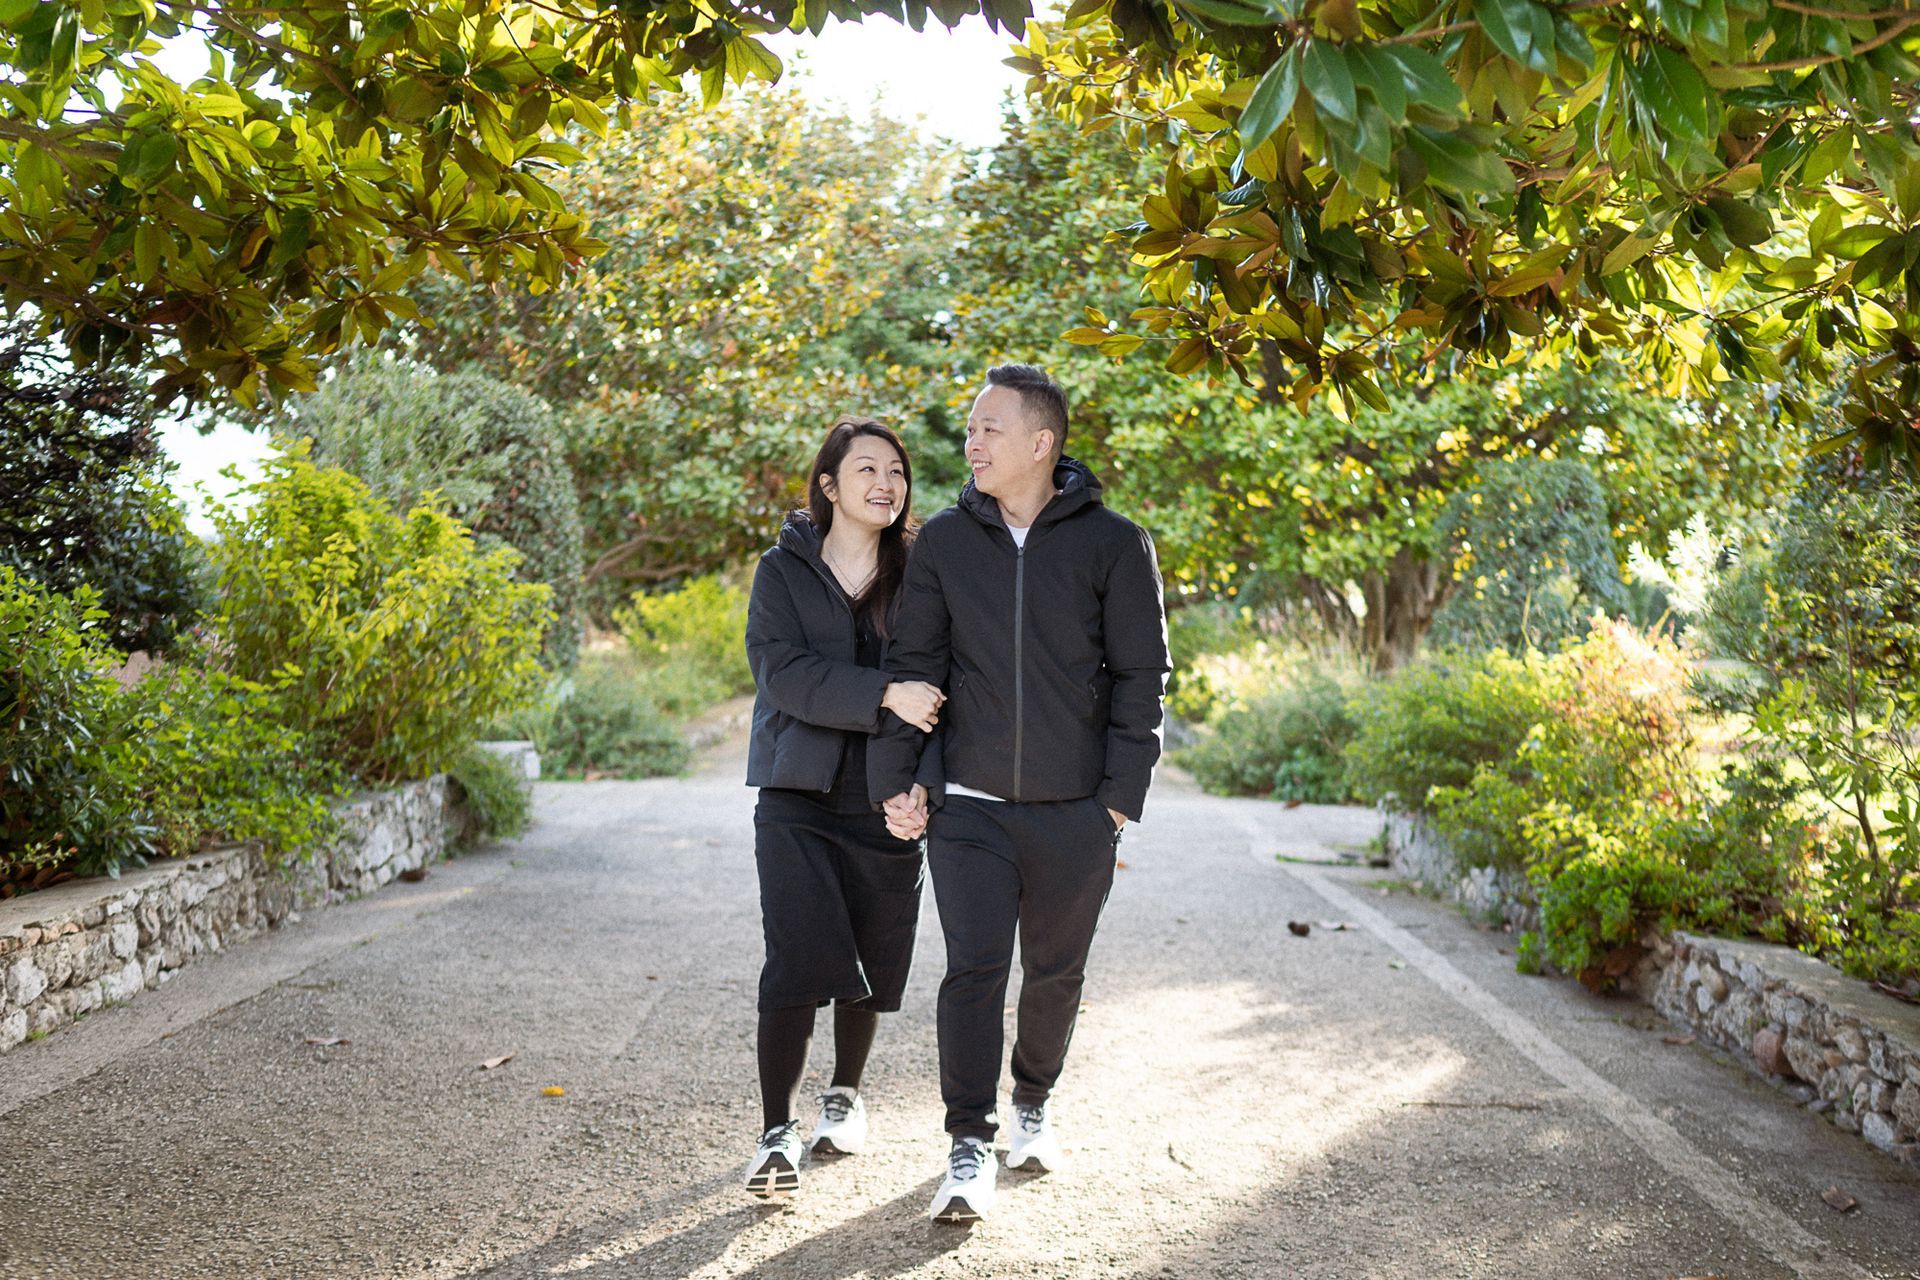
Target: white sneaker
967	1194
774	1173
842	1127
1034	1139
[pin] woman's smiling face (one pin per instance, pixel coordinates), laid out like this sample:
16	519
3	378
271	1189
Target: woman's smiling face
871	488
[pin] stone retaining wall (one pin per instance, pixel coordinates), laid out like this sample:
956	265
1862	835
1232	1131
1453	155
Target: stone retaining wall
1829	1042
1419	854
1832	1044
71	949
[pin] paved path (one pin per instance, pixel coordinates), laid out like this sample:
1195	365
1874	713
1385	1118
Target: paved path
1390	1101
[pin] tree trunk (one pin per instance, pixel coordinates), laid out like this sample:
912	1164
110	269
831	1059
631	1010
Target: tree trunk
1401	601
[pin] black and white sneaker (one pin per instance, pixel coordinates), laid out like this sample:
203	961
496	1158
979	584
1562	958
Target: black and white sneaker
967	1194
774	1173
1034	1140
842	1127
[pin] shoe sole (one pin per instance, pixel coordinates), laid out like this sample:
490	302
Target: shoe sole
958	1211
828	1147
777	1181
1021	1162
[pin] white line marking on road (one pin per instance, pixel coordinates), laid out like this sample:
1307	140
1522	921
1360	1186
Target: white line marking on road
1787	1241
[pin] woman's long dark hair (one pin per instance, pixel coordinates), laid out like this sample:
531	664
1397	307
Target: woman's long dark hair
890	569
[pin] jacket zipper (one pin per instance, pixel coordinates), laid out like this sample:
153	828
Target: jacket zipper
1019	664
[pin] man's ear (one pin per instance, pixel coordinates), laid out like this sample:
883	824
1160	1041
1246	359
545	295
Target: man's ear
1042	444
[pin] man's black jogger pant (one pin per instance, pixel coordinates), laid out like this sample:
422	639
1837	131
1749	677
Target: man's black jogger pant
1042	869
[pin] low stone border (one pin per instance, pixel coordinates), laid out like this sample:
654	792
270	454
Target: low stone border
1833	1044
1829	1042
69	950
1418	853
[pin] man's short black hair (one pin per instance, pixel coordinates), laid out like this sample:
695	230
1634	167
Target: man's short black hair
1040	397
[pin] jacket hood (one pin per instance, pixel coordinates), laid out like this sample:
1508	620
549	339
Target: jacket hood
799	536
1077	484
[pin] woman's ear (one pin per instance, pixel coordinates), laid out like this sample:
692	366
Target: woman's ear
828	487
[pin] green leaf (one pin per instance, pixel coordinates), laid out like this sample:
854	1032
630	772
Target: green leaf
1233	13
14	11
1829	157
296	230
1675	92
390	22
1460	162
1745	224
1376	72
148	157
1272	101
1330	81
1426	78
1520	29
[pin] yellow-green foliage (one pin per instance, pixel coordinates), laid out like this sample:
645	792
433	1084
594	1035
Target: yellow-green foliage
390	639
690	643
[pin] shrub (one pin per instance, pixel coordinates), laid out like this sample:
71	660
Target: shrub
1204	639
1731	862
1436	723
691	643
210	761
1839	649
388	640
497	802
601	722
1534	550
1614	729
490	449
1288	743
62	805
83	498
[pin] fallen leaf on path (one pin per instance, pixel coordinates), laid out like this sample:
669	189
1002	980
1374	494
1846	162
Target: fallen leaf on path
328	1040
1396	964
500	1061
1678	1039
553	1091
1839	1201
1299	928
1119	864
1338	926
1293	804
1175	1157
414	875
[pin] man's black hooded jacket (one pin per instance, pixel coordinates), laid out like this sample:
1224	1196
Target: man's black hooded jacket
1053	657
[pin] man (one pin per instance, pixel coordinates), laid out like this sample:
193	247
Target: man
1039	612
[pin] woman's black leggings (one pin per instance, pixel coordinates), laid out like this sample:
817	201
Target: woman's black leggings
786	1035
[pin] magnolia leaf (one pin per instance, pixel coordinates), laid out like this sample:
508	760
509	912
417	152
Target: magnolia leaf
1330	81
1672	88
1272	101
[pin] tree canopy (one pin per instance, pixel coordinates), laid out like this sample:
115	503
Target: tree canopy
770	267
230	231
1730	187
1243	490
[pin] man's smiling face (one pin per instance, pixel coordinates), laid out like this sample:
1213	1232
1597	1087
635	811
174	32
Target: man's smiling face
1002	450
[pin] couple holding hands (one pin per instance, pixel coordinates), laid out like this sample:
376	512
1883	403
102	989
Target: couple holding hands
982	696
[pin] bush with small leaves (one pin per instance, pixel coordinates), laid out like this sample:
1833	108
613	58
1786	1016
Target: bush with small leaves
389	639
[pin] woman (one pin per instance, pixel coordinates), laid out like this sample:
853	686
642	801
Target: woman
839	894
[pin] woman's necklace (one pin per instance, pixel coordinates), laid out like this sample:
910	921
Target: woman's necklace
842	576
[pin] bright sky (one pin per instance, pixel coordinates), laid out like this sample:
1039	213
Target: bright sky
951	83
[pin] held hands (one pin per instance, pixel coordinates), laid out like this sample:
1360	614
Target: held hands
907	814
916	702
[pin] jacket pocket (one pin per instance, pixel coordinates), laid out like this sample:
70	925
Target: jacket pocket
1100	695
